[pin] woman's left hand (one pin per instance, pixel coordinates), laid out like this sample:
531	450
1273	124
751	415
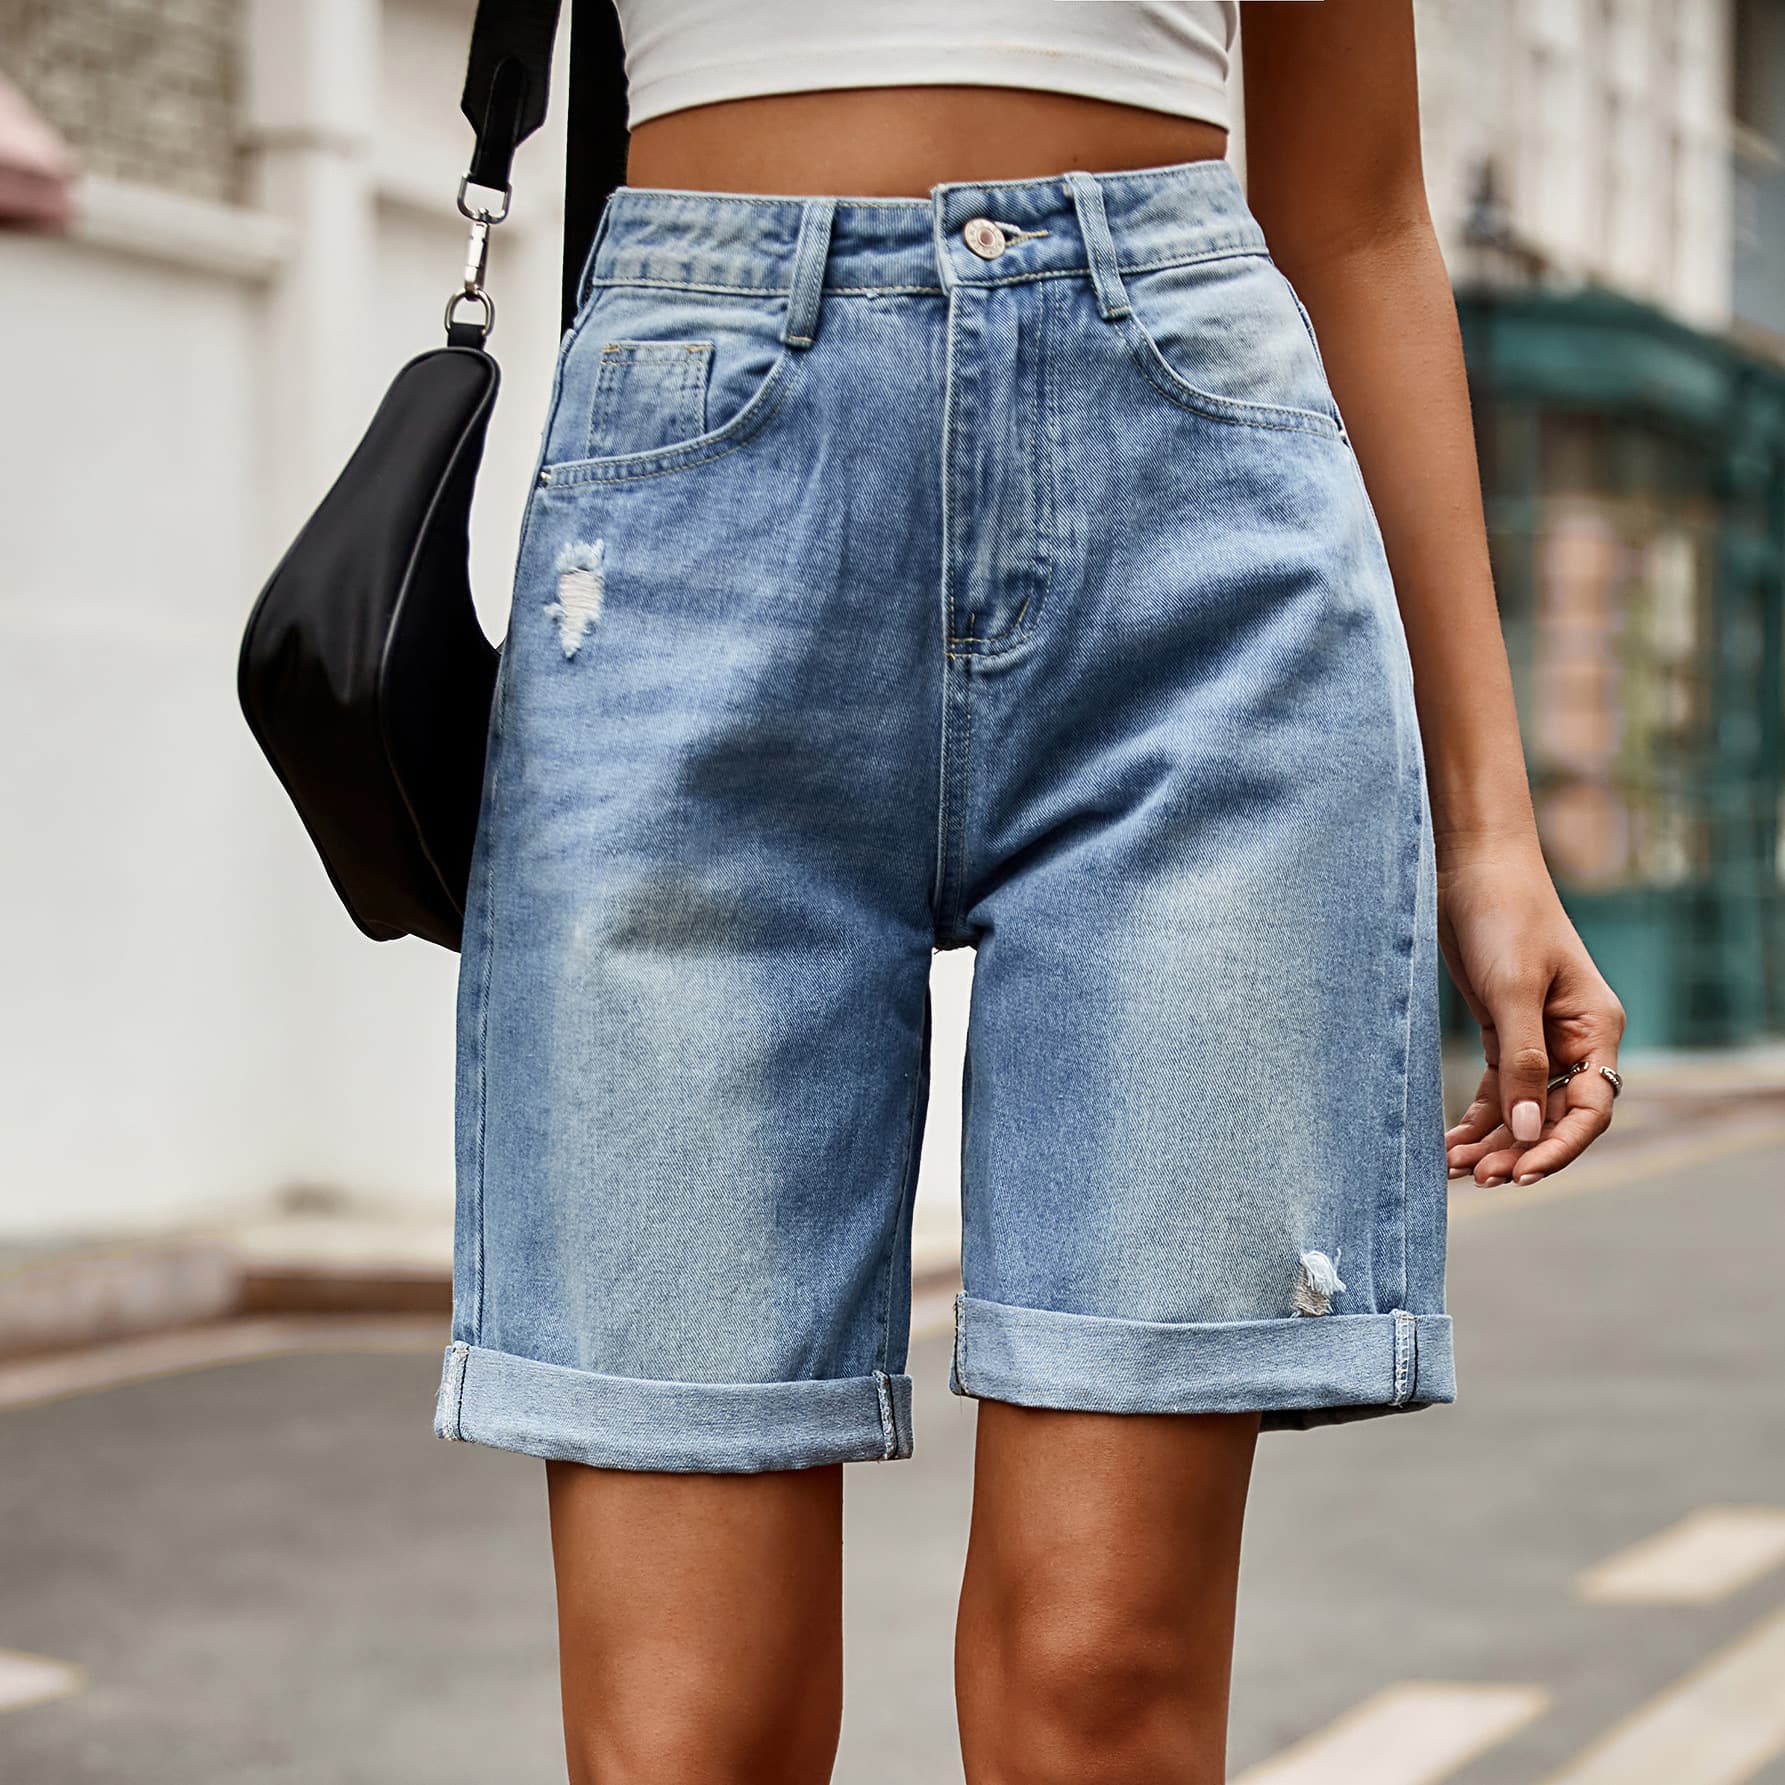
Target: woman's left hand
1542	1005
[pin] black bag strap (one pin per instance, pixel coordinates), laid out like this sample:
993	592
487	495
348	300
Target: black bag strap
507	84
595	135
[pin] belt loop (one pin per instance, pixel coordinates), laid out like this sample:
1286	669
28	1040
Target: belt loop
1100	245
586	279
809	256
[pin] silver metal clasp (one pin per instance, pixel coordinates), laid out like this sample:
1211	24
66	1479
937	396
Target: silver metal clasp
483	218
477	254
467	209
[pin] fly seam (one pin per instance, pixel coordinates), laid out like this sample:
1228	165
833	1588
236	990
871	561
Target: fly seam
950	426
1041	429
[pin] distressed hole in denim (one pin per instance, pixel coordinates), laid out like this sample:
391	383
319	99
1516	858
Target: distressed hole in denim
1316	1283
581	584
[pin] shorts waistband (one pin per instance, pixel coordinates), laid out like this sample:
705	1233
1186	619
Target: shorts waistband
1045	227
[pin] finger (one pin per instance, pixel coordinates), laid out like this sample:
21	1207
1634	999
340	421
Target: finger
1564	1143
1466	1157
1523	1063
1587	1116
1499	1160
1496	1168
1481	1118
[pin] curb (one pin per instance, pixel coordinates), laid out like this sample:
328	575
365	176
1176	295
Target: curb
72	1301
119	1292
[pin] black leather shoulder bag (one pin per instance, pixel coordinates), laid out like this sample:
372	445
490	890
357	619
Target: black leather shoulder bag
364	672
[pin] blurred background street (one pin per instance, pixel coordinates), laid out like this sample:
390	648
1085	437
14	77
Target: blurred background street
230	1548
271	1571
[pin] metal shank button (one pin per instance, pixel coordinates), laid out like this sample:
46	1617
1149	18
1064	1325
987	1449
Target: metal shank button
985	238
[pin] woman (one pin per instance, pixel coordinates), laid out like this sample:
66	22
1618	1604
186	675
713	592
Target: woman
983	559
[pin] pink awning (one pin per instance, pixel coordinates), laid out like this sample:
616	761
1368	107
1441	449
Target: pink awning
36	169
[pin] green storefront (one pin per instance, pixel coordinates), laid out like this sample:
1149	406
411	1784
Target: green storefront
1634	471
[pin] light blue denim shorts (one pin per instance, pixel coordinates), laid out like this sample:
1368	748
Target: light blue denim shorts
985	570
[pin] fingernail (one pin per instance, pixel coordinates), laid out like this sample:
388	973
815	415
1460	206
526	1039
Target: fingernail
1491	1183
1531	1177
1459	1171
1527	1120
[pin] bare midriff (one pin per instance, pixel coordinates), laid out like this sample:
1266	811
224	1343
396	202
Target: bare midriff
893	142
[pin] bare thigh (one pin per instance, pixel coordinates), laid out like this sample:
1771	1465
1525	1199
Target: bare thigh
1095	1638
700	1616
699	1624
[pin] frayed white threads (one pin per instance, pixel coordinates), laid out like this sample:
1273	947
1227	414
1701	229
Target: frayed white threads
581	584
1316	1283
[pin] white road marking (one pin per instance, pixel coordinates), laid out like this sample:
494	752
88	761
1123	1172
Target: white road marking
1719	1726
36	1380
1714	1552
34	1679
1411	1734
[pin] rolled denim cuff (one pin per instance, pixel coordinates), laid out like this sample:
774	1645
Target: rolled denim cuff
1307	1370
623	1422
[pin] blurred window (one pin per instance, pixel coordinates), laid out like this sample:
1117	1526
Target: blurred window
1756	68
1616	654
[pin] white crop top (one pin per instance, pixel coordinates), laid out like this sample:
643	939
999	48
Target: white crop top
1168	55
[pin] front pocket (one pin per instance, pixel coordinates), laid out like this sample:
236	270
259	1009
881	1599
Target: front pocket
1229	339
648	394
651	375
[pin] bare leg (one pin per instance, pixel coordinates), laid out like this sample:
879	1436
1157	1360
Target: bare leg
1095	1637
700	1625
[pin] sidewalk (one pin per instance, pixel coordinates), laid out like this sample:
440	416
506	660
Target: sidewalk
318	1255
1679	1077
311	1259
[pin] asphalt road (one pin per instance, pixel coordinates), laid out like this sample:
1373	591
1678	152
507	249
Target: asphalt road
269	1571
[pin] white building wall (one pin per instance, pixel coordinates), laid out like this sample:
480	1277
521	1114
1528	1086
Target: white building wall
192	1023
142	870
1608	124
